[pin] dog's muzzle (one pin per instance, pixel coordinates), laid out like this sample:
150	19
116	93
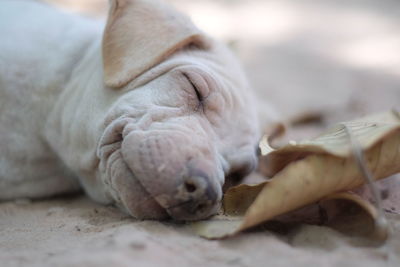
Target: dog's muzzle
196	197
181	176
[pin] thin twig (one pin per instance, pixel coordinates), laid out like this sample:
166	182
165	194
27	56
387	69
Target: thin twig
358	154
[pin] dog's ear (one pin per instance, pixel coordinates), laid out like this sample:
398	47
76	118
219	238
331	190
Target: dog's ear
140	34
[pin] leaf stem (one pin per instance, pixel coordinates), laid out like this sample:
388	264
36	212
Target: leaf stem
358	154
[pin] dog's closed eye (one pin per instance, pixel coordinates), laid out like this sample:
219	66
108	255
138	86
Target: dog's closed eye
198	80
200	97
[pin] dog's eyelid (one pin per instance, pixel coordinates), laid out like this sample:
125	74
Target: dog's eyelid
200	97
199	91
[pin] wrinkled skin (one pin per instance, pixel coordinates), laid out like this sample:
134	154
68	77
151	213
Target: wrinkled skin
158	134
179	147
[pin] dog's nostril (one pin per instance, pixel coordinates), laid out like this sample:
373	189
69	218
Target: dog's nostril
197	197
190	186
195	184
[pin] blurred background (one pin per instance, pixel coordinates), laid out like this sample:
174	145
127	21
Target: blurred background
331	59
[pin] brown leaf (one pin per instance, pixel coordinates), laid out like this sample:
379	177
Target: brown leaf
239	198
335	142
390	193
376	228
308	171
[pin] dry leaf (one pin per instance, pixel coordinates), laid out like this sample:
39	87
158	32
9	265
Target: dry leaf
335	142
308	171
390	193
376	228
239	198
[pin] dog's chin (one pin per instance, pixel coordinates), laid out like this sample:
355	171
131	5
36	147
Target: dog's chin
144	206
148	210
134	199
198	213
129	195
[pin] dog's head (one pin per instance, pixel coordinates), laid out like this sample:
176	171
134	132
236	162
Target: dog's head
183	118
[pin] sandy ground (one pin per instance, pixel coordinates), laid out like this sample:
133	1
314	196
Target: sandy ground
77	232
339	59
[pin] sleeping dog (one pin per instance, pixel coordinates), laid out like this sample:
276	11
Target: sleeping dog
146	112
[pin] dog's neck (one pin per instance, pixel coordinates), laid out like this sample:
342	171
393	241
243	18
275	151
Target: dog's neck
76	116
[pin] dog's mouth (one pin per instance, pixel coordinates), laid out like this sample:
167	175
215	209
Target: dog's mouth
177	173
188	196
187	204
158	184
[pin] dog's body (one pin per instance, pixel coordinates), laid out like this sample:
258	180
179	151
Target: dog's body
117	113
39	49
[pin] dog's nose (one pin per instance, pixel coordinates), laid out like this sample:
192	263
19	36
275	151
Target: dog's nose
197	197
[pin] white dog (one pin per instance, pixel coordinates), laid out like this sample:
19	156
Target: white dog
149	113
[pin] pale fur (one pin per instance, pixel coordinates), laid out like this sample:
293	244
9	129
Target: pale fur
61	127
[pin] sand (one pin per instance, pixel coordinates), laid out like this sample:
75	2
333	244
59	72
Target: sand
75	231
337	59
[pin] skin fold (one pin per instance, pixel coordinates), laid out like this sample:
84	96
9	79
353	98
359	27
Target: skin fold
147	112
